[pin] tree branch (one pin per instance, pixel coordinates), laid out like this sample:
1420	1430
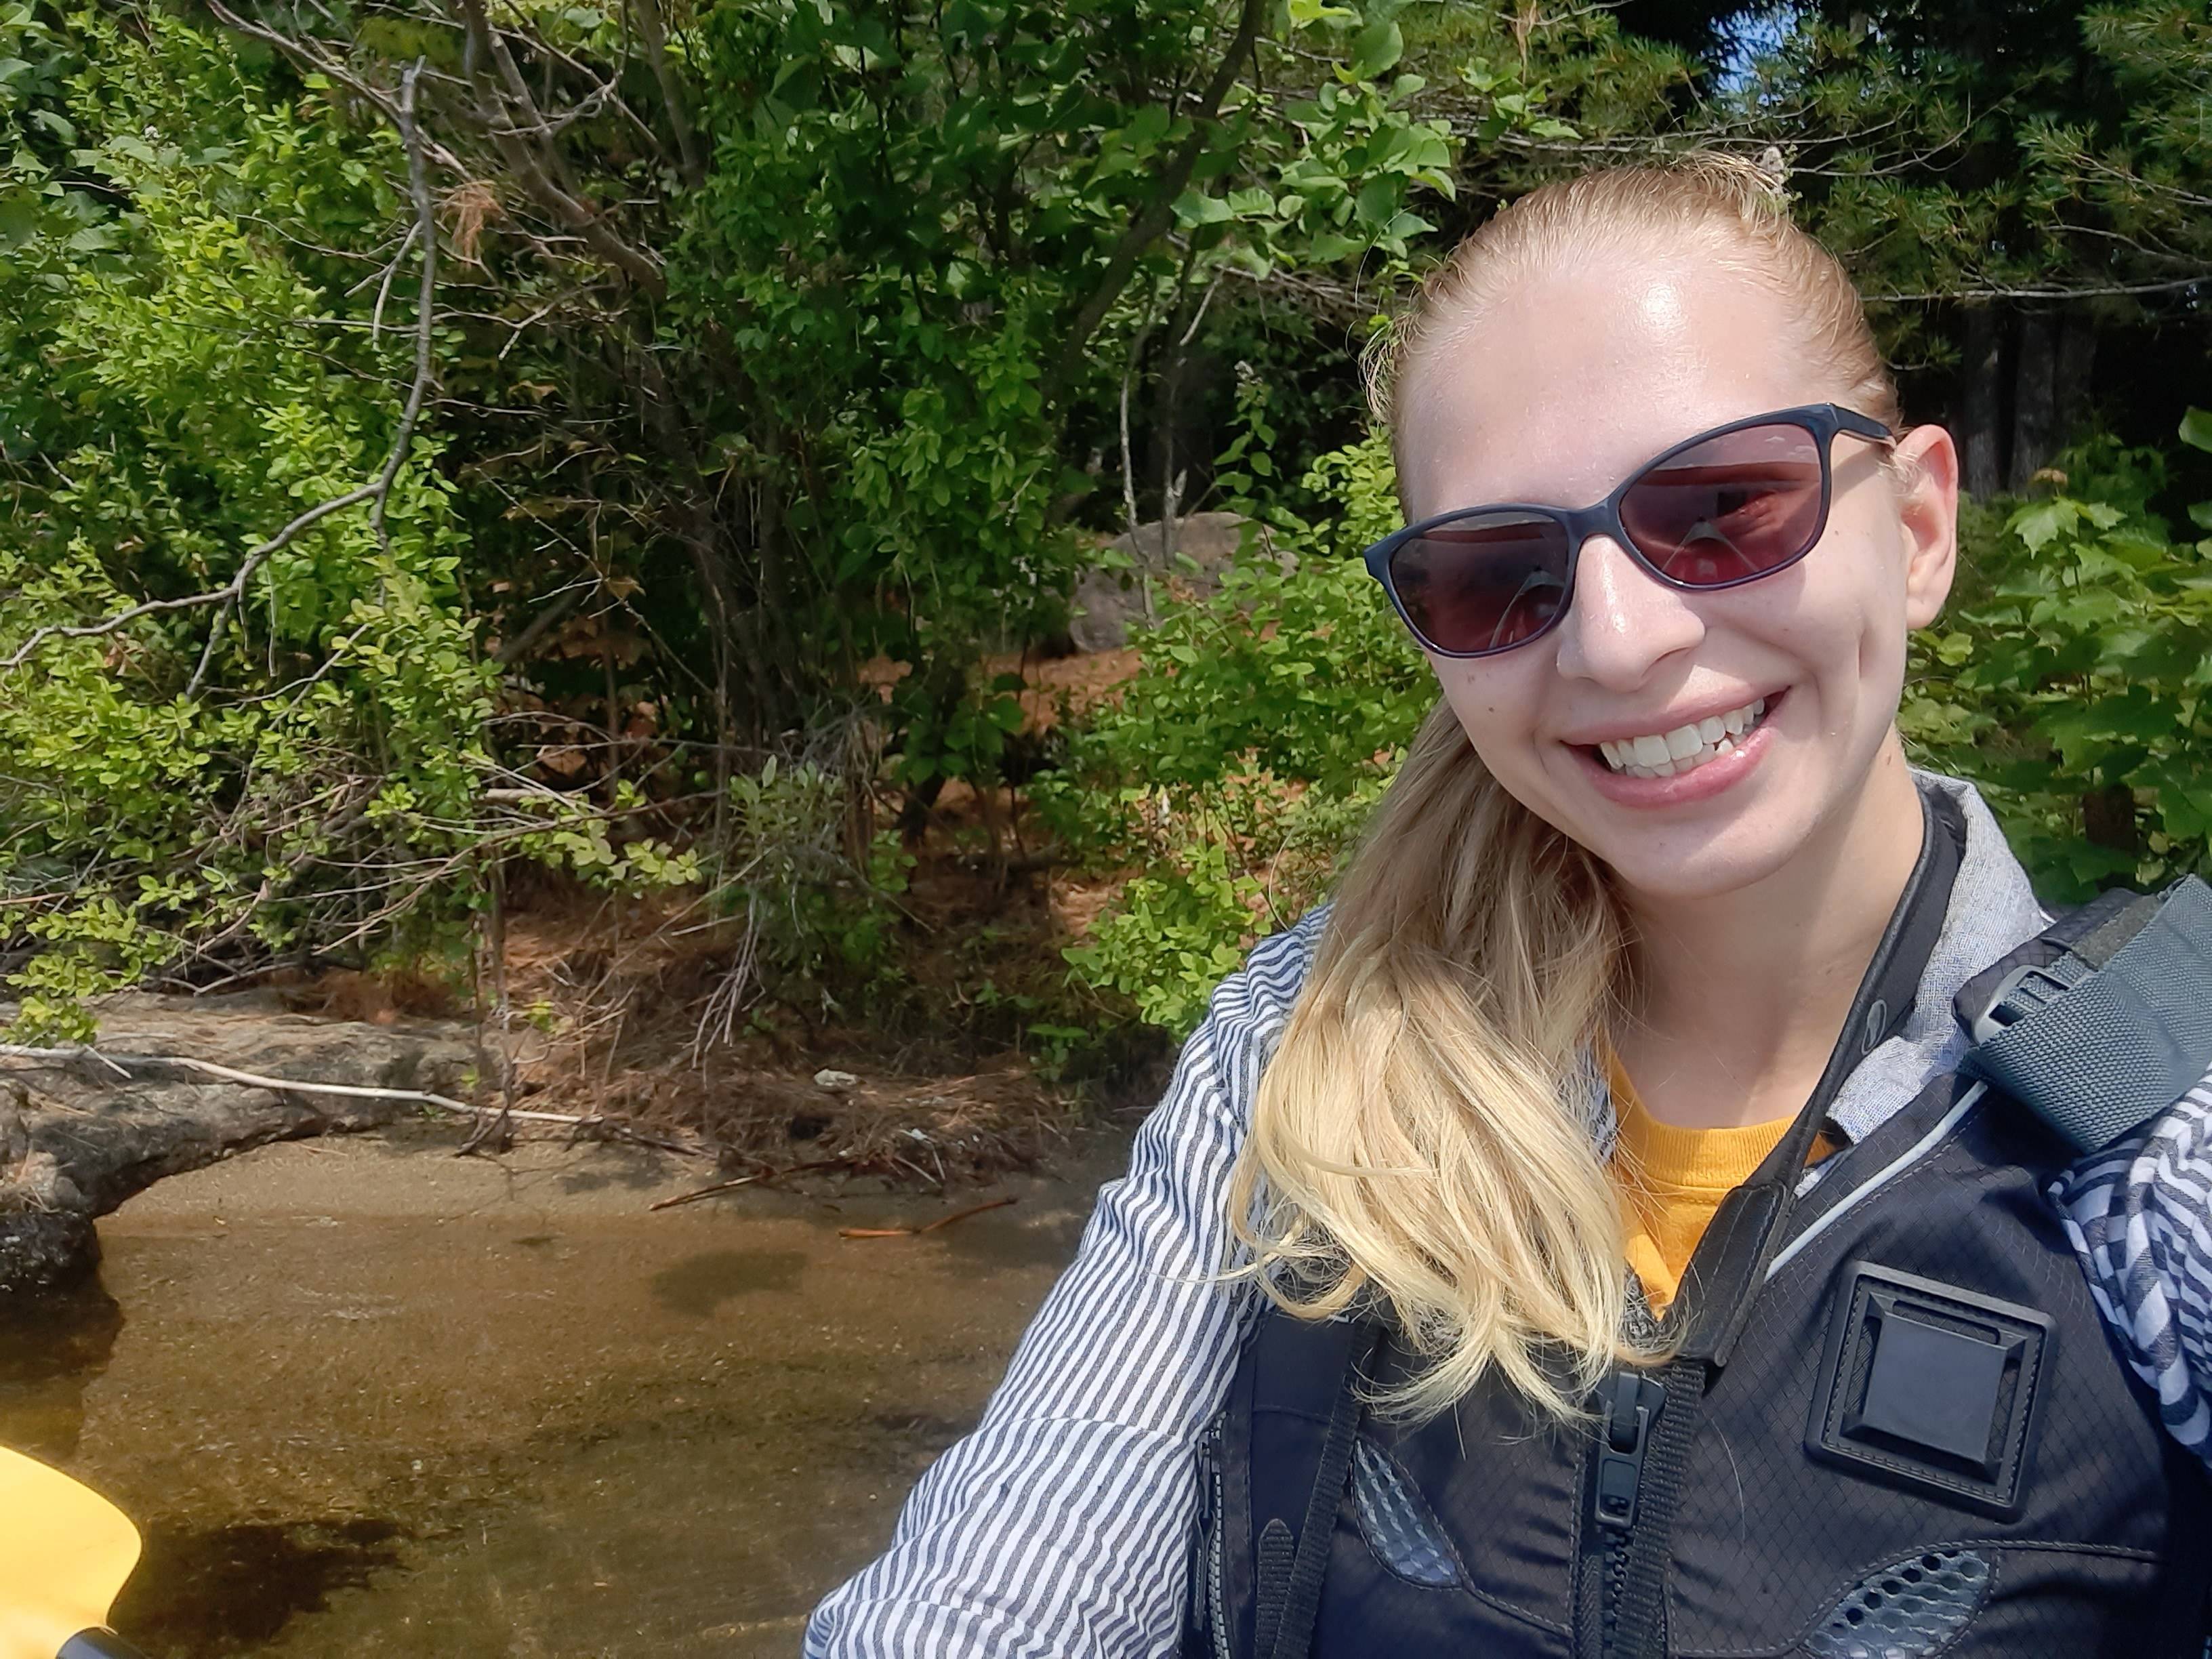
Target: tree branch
1158	214
654	30
121	1065
426	222
538	174
300	52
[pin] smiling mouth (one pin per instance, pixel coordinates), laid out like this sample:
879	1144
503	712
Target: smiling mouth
1684	748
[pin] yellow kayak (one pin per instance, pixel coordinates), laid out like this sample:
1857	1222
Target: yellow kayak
64	1552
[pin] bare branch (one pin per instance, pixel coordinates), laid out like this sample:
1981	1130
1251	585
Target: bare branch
229	592
322	63
426	220
538	173
2047	291
121	1065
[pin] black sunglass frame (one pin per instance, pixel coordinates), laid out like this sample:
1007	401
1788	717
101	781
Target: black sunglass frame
1823	421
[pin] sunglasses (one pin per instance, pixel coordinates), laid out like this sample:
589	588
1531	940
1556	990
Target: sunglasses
1727	506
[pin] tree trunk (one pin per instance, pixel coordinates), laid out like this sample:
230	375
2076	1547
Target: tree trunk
1982	442
2077	362
2034	397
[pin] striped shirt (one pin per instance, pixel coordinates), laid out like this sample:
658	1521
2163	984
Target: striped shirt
1062	1525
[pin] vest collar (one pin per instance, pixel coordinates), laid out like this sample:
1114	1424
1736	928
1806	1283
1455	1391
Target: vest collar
1991	911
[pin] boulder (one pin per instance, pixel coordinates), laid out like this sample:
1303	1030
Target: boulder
1109	596
76	1138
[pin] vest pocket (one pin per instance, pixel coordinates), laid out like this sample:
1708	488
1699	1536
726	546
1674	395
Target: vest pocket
1401	1532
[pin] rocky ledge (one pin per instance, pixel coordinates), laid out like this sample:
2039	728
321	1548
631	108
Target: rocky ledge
78	1138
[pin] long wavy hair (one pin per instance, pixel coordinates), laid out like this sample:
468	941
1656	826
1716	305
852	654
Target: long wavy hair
1421	1142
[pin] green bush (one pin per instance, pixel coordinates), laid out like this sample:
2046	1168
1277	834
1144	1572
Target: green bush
1239	764
2069	678
189	366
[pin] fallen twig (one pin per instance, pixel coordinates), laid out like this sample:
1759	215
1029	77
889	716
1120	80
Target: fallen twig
754	1179
121	1063
927	1226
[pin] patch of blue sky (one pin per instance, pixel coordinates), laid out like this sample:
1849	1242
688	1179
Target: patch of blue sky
1748	36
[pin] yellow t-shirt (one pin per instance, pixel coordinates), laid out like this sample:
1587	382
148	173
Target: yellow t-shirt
1672	1181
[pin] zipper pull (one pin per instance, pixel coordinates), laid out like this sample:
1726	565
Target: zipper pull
1629	1404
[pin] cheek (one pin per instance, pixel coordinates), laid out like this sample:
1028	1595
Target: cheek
1844	612
1499	702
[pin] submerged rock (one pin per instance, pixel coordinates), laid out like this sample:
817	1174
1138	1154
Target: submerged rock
78	1138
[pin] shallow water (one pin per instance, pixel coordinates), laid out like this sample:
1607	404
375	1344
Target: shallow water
365	1398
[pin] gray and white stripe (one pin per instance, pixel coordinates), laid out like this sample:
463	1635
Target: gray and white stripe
2140	1217
1060	1525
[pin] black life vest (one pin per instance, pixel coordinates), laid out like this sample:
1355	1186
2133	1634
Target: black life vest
1896	1428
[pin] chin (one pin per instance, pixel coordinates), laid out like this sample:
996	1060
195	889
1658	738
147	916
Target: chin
1694	860
1710	873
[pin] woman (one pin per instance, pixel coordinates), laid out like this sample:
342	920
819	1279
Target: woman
1656	925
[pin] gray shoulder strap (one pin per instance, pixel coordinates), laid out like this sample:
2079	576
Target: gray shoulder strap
2105	1019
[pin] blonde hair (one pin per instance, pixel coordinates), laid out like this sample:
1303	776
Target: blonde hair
1420	1142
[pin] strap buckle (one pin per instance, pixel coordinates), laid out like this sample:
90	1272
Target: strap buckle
2026	990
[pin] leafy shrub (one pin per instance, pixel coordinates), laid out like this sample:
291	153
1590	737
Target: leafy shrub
818	908
2070	678
190	365
1239	764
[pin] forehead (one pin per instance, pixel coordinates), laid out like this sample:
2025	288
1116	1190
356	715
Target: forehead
1570	378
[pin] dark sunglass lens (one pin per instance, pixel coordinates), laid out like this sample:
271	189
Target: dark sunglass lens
1738	505
1483	583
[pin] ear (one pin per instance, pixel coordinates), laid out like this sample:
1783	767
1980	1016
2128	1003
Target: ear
1926	464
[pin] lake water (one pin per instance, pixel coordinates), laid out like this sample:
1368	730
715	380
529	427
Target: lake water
365	1398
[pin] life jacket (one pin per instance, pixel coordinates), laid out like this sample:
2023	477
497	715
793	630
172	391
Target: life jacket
1892	1426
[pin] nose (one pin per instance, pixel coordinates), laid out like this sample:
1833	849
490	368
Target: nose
1624	622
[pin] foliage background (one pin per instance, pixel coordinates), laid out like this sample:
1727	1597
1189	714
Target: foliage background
777	365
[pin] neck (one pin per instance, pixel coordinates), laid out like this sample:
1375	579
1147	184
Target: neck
1743	992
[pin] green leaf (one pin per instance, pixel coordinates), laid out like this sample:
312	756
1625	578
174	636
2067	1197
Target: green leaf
2038	525
2196	429
1192	209
1377	48
1378	199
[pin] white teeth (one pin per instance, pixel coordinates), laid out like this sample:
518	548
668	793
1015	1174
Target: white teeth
1687	747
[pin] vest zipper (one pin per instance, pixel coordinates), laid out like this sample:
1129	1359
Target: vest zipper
1628	1405
1216	1620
